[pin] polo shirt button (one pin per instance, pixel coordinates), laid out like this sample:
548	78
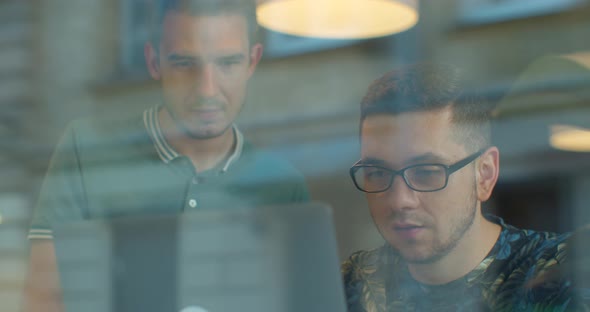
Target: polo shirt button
192	203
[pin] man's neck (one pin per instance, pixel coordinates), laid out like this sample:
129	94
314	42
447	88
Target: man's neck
472	248
204	154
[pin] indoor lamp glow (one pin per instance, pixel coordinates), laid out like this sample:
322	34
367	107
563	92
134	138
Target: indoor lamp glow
338	19
570	138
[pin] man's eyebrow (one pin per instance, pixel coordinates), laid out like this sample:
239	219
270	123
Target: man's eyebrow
174	57
422	158
373	161
232	57
426	158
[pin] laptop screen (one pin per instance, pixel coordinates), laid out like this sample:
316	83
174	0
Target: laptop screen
281	258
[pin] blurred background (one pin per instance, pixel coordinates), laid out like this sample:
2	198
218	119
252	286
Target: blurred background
61	60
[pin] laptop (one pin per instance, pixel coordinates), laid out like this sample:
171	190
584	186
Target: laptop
277	258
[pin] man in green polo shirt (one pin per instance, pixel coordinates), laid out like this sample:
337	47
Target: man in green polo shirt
184	154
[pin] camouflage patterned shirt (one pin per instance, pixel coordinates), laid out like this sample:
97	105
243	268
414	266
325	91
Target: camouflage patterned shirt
378	280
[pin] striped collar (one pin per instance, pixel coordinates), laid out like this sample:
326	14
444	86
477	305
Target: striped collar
167	153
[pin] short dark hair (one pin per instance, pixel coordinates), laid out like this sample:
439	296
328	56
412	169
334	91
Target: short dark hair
246	8
431	87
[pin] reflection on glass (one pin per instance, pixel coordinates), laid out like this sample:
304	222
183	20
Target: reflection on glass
86	60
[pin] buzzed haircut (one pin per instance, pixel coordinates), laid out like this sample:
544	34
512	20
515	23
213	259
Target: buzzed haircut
246	8
431	87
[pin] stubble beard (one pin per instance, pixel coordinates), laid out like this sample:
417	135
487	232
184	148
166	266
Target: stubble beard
442	248
195	135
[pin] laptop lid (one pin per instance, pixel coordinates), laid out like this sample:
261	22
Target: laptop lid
279	258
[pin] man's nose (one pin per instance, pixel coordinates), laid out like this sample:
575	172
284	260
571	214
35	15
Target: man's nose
400	196
207	81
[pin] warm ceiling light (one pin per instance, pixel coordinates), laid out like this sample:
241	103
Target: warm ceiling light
570	138
338	19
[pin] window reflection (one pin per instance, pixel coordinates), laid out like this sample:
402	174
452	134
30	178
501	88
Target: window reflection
61	61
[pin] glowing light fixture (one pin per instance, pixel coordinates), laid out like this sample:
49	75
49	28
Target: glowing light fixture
570	138
338	19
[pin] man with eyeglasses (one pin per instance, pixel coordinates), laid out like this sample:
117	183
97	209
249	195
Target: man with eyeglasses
426	166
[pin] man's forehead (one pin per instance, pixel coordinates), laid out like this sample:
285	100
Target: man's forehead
403	137
222	27
439	118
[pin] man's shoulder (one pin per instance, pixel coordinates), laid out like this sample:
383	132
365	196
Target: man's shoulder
98	140
268	163
366	263
523	256
105	129
266	177
539	245
364	275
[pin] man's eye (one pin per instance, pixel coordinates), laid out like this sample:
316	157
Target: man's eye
228	63
184	64
426	172
374	173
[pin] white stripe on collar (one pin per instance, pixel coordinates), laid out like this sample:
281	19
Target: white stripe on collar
167	153
150	118
237	149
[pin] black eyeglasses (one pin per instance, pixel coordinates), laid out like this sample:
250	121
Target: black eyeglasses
421	177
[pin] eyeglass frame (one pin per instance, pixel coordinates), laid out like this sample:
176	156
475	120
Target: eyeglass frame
449	169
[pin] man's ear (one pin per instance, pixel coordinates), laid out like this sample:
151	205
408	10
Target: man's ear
151	60
255	56
488	168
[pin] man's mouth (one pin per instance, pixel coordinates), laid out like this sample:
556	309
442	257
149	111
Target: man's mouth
207	112
204	108
407	230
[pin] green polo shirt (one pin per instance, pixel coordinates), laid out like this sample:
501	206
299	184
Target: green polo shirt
107	169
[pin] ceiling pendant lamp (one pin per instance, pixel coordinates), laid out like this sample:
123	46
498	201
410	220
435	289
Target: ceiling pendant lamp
570	138
338	19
